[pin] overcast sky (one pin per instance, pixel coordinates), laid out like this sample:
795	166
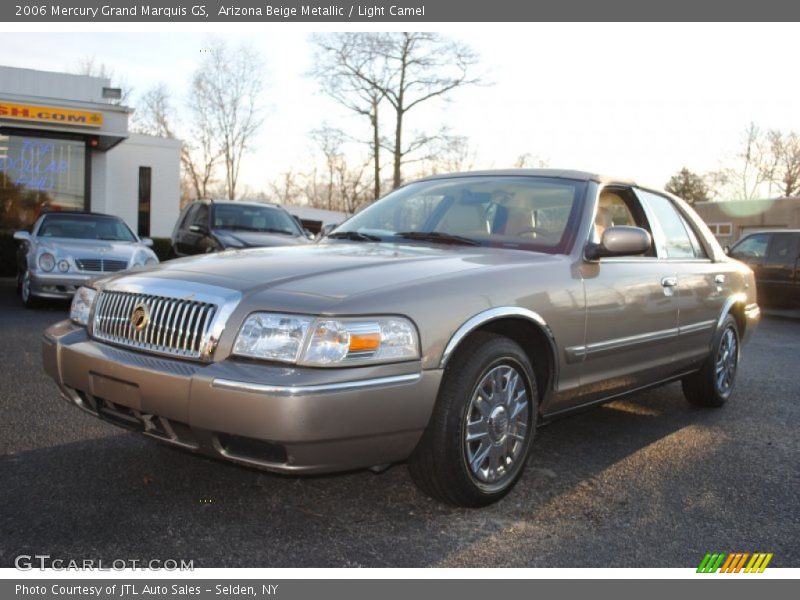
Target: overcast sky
634	100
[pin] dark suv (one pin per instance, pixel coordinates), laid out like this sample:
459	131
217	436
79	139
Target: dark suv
209	226
774	256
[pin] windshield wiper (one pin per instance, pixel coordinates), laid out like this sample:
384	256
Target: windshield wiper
438	237
355	236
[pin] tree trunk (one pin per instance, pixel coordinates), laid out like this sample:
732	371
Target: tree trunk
398	152
376	150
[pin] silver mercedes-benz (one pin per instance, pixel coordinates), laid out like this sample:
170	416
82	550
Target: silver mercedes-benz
64	250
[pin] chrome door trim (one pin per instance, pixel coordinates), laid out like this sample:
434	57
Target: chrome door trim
698	327
579	353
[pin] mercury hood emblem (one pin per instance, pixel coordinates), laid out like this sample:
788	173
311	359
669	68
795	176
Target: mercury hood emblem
140	316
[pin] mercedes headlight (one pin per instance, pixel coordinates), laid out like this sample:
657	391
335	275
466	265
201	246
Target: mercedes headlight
327	342
47	261
82	303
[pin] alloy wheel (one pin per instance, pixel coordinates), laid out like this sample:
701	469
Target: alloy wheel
497	426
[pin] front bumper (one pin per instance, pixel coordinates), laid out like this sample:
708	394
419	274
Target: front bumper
279	418
57	284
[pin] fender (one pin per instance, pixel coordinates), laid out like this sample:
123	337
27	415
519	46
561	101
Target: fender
494	314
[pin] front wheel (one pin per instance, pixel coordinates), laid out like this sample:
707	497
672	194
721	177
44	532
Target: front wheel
28	299
478	439
713	384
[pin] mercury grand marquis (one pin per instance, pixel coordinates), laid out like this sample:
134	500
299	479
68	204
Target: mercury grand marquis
439	326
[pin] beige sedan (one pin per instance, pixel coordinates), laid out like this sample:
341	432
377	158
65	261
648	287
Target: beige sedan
439	326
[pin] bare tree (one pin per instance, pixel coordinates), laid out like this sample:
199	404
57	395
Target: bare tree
526	160
225	91
421	66
155	114
745	180
287	189
330	141
351	71
449	154
784	164
89	65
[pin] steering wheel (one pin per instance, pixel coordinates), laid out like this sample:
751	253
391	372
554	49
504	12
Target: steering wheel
537	231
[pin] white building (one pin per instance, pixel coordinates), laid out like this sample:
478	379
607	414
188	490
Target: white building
65	146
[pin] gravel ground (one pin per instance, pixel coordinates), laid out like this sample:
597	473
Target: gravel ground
645	482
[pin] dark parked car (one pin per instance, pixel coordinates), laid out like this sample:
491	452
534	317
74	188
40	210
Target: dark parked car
774	257
209	226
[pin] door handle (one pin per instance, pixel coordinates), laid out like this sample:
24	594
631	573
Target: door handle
719	278
669	281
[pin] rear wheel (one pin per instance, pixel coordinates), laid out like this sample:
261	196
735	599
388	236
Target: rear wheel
479	436
713	384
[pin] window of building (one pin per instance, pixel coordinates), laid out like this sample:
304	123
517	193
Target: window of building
721	229
37	174
145	180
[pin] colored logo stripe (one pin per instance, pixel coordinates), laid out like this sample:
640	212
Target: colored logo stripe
734	563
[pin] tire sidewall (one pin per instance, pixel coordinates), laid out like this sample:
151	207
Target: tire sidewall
728	324
465	377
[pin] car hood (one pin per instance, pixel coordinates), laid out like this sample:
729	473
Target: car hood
89	248
253	239
336	271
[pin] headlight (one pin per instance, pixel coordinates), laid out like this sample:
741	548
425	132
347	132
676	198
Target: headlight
272	337
63	265
325	341
82	305
47	262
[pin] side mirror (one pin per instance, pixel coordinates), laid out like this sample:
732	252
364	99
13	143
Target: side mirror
22	236
199	229
147	242
620	240
727	250
309	234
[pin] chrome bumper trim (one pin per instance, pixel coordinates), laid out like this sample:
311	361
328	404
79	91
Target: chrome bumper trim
298	390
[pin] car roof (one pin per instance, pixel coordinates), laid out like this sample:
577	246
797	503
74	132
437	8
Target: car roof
771	230
77	213
237	203
554	173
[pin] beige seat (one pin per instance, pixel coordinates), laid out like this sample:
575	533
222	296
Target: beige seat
465	219
518	222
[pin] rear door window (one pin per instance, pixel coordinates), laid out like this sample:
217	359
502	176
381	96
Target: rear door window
670	230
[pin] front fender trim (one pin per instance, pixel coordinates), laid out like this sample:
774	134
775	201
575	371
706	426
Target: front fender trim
495	314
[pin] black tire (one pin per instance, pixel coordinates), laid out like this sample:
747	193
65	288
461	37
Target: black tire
28	299
441	465
713	385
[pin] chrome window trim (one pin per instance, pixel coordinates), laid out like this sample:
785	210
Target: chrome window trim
299	390
225	299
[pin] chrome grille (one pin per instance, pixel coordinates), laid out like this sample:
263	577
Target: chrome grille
101	265
175	326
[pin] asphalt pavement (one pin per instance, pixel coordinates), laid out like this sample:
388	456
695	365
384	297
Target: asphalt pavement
649	481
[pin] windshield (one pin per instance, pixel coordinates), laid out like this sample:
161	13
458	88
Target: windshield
86	227
245	217
515	212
